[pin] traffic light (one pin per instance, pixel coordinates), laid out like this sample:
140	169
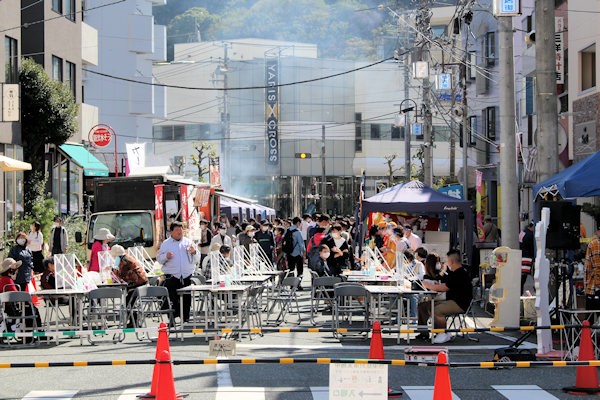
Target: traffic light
303	155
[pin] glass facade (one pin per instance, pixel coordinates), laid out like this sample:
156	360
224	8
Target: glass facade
13	189
66	185
11	60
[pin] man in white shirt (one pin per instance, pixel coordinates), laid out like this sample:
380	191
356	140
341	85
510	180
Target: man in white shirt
414	241
307	223
178	256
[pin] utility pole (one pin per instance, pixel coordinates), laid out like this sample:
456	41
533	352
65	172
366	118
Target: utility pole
508	154
547	133
323	178
423	20
225	122
466	127
407	130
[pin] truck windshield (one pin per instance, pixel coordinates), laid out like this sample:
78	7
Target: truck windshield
130	229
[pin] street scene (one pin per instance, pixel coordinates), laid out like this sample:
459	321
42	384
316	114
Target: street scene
299	199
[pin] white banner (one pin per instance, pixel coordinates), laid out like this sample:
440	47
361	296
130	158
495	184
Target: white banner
136	156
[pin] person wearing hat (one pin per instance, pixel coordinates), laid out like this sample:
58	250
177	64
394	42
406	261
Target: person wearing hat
131	272
592	272
20	252
221	237
179	257
414	241
205	239
58	239
247	236
265	239
101	239
8	272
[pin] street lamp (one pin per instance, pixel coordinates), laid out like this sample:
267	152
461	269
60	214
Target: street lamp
403	122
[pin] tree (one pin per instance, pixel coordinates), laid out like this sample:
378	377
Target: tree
48	116
389	160
204	151
193	25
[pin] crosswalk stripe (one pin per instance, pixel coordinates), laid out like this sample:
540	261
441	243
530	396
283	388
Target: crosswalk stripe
50	395
320	392
520	392
132	394
237	393
422	392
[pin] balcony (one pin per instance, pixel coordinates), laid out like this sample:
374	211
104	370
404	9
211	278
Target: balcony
89	45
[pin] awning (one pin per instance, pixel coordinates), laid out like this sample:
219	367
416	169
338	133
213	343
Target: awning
86	160
8	164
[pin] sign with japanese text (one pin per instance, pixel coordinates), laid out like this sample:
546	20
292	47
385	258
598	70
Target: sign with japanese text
100	135
10	103
444	82
272	109
214	171
506	8
559	27
358	381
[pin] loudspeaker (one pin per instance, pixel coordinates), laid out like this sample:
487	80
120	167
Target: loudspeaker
563	232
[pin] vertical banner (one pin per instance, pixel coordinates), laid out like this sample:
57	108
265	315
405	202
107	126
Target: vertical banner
183	195
272	109
10	103
136	157
559	27
479	190
214	172
158	211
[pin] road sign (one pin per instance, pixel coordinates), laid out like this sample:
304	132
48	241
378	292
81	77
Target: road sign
100	135
417	129
358	381
444	81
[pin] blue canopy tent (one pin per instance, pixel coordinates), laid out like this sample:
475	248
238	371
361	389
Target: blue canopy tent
417	198
579	180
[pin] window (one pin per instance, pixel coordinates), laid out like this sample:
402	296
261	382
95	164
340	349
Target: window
70	9
57	6
357	132
11	60
397	132
472	66
489	122
57	68
529	95
489	48
438	31
70	78
472	131
375	132
588	67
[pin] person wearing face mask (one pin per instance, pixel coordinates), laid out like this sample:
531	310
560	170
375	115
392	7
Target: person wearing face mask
132	273
265	239
221	237
20	252
339	250
247	237
178	256
58	237
35	243
321	267
205	239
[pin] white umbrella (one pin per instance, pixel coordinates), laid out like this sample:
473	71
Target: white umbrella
8	164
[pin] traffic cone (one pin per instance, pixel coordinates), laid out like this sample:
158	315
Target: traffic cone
162	344
376	353
586	381
442	389
166	383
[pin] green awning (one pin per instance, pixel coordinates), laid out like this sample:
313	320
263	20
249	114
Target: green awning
86	160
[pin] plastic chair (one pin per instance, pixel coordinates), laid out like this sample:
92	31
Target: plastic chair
106	310
283	296
322	291
148	303
18	315
350	300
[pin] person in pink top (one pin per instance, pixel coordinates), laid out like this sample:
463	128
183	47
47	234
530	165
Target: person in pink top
101	239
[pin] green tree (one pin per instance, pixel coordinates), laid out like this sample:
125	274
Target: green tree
48	116
195	23
204	151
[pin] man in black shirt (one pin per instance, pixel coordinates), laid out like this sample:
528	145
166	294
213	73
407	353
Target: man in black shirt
459	293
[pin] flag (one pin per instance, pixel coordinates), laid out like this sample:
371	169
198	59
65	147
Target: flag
136	156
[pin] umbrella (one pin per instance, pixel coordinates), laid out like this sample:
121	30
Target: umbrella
8	164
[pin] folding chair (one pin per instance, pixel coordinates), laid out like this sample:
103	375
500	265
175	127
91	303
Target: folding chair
283	296
322	292
350	300
252	310
459	321
19	315
148	303
106	310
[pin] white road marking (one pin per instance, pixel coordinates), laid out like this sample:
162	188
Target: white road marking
132	394
320	392
422	392
50	395
237	393
523	392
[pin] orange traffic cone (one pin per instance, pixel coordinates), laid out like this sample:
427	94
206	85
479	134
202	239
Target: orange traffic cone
162	344
376	353
166	383
586	381
442	389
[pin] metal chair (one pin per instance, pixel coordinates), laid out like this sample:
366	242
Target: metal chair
459	321
283	296
149	302
106	310
198	280
252	316
322	291
18	315
350	300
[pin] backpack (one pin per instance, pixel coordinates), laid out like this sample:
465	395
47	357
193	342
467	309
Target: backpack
288	242
313	255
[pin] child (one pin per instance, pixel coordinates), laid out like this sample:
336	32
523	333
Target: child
321	267
48	279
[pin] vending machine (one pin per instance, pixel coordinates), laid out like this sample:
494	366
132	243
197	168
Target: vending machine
505	293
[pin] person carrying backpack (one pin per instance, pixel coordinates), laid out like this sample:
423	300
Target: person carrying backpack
293	246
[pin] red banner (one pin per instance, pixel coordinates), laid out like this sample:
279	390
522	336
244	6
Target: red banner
158	202
183	194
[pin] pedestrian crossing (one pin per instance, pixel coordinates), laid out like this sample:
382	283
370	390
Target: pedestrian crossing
510	392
